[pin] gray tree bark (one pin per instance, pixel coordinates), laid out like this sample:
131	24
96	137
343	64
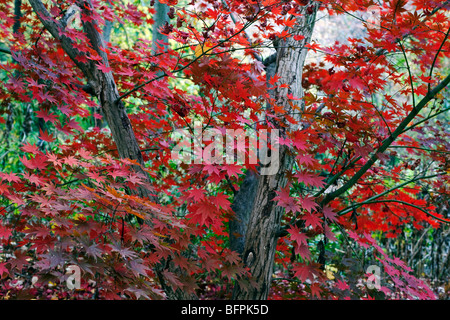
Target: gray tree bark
103	86
160	18
264	222
242	206
245	198
261	236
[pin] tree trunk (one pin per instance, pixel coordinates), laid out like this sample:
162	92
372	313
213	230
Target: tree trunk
261	236
245	198
242	206
103	86
160	18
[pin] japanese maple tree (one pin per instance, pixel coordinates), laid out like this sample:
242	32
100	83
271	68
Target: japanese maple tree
94	92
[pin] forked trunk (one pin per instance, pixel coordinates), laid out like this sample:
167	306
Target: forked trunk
261	236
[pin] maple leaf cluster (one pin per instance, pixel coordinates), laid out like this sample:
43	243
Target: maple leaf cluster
70	199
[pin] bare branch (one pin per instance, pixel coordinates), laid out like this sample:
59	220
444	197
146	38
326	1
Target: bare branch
55	28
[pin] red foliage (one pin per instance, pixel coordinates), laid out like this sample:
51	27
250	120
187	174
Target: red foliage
75	202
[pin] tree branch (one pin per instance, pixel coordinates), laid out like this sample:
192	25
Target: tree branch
436	57
387	142
344	211
283	231
55	28
425	120
418	148
405	203
187	65
5	50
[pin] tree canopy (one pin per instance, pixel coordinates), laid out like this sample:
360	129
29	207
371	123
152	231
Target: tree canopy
212	149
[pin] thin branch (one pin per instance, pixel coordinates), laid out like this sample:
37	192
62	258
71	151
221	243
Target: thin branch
55	28
409	72
258	58
405	203
425	120
401	185
419	148
387	142
436	57
187	65
5	50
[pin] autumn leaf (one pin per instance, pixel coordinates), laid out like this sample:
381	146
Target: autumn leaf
310	179
47	117
315	290
285	200
3	270
5	232
103	68
45	136
196	194
296	235
342	285
30	148
311	219
308	204
304	271
172	279
221	200
232	170
329	214
202	49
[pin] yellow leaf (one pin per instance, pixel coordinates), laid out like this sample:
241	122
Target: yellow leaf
203	48
329	271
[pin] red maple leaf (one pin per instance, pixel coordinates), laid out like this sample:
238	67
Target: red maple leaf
221	200
306	159
304	271
203	212
296	235
196	194
5	232
38	162
172	279
303	251
71	161
285	200
311	219
4	188
103	68
299	141
232	170
342	285
46	116
329	234
315	290
308	203
328	213
3	270
313	46
10	177
30	148
211	168
85	154
20	259
44	135
309	179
